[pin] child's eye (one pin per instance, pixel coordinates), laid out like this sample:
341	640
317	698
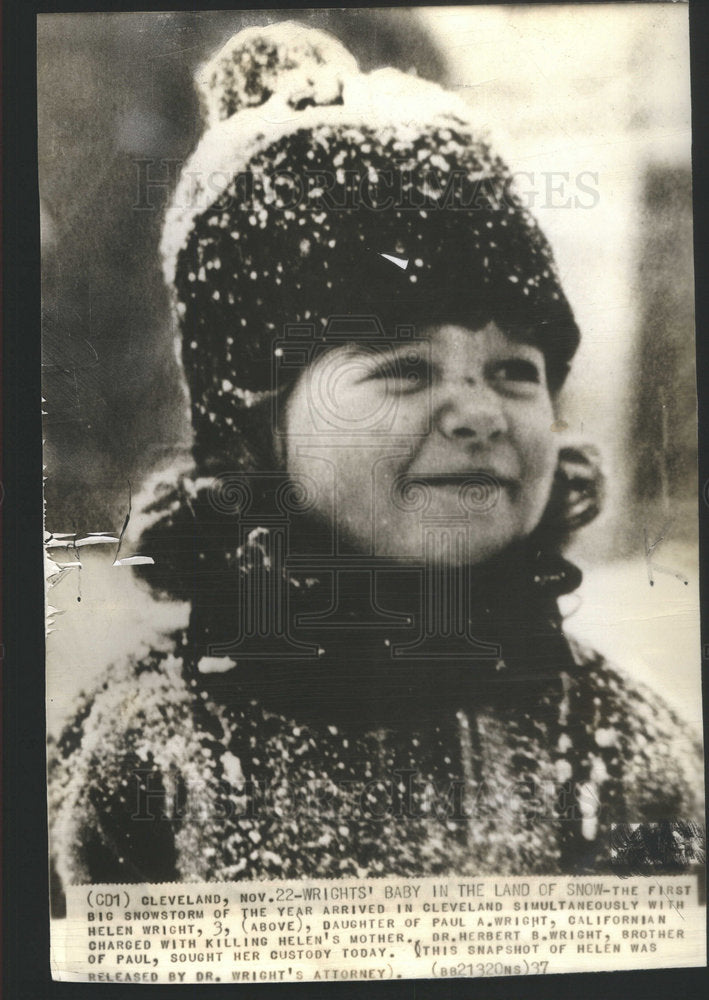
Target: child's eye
401	376
518	370
387	370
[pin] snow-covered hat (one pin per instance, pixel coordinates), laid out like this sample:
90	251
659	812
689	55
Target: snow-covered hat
320	191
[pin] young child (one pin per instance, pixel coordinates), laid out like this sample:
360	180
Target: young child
374	679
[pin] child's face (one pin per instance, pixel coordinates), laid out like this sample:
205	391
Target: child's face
391	442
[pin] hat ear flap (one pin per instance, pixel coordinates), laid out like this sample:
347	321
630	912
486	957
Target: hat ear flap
579	470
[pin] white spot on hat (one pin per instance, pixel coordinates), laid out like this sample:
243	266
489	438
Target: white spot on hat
231	765
402	262
215	664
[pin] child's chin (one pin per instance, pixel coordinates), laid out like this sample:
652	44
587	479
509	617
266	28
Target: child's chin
447	545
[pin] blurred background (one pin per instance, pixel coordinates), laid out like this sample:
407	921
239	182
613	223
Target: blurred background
590	107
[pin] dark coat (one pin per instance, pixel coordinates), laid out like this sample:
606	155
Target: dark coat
159	779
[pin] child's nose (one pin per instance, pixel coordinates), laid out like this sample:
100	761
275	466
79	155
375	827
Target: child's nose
470	410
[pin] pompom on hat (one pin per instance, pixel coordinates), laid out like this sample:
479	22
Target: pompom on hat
319	191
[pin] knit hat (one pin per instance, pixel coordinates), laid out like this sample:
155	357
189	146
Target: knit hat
320	192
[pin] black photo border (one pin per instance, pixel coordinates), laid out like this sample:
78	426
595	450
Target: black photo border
25	914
